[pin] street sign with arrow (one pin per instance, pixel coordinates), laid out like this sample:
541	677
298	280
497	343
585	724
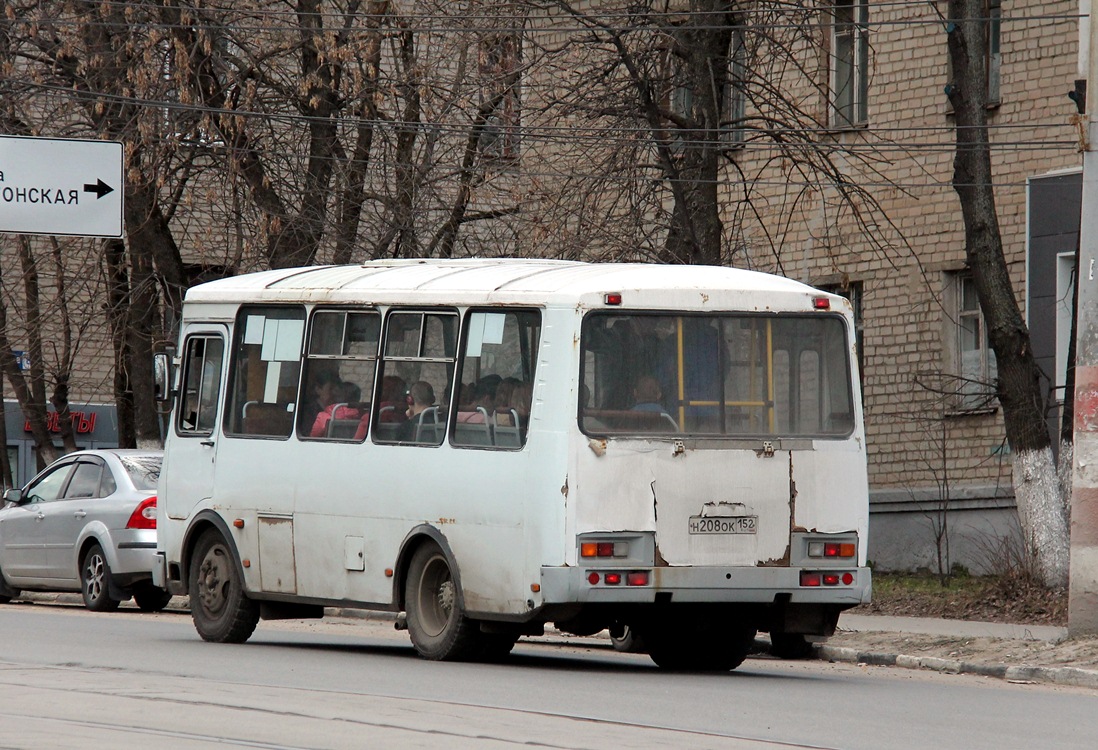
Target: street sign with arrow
60	186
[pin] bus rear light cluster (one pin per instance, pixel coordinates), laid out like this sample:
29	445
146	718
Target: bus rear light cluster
614	578
832	549
604	549
814	578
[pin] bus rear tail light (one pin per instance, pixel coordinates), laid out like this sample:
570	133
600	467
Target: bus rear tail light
814	578
616	578
832	549
604	549
144	515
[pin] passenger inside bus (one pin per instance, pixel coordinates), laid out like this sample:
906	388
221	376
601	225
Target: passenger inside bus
322	394
422	414
346	406
393	403
647	394
484	401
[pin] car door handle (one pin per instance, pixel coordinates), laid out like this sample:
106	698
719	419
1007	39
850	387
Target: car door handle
80	513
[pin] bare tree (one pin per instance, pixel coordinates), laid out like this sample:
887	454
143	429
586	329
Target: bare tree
1042	509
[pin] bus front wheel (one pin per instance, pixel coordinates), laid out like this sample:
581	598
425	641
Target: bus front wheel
221	610
439	629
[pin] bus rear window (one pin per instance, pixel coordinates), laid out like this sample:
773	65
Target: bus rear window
716	375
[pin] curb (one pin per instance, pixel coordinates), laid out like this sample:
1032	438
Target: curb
1072	676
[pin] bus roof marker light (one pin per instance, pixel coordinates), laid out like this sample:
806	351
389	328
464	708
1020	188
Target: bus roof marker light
612	298
821	303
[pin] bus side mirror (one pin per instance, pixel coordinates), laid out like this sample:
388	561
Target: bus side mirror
162	377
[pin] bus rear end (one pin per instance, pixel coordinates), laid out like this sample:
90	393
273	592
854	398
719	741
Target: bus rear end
719	487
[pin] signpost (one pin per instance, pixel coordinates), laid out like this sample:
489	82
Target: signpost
60	186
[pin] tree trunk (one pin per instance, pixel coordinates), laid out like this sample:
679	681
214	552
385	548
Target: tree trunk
1041	509
696	229
143	316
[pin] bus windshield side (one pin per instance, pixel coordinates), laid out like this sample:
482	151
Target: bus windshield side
733	375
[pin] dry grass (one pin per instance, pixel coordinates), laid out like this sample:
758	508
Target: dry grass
1015	599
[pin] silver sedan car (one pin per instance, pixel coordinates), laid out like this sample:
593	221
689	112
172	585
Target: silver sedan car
86	523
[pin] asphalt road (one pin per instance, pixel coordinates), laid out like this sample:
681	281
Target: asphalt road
76	679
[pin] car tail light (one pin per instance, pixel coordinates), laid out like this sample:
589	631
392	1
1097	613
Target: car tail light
144	515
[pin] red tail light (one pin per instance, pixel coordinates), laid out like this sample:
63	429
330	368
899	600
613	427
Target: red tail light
144	515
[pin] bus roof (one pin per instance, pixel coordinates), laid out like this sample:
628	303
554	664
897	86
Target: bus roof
507	280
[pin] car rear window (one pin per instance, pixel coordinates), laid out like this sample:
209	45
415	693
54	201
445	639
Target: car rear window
143	470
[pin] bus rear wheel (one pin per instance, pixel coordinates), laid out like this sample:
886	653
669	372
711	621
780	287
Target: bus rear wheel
221	611
697	648
439	629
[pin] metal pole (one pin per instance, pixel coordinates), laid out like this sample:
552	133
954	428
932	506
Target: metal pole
1083	586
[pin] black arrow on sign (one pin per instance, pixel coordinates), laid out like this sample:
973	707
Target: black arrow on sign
100	189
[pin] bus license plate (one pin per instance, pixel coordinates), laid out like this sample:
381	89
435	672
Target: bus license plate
723	524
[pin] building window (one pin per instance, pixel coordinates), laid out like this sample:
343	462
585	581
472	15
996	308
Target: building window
974	362
850	64
733	130
994	53
499	61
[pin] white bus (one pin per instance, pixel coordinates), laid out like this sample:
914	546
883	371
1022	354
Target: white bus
485	447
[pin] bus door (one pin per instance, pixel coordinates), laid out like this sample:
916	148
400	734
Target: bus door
189	468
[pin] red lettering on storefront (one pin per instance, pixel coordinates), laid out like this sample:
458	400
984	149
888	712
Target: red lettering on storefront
82	422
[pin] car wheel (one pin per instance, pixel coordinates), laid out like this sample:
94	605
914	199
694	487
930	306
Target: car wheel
439	629
221	611
95	581
7	593
150	598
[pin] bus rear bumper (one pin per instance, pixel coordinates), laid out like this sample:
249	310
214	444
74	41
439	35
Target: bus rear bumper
697	584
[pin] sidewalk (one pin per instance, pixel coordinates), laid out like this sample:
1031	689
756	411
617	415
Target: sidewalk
1016	653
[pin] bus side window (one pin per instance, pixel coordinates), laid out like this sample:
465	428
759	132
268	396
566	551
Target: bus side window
499	355
339	375
197	408
417	371
263	373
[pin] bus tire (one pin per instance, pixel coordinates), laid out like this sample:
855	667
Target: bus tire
628	642
790	646
698	649
221	611
149	598
439	629
95	581
496	647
